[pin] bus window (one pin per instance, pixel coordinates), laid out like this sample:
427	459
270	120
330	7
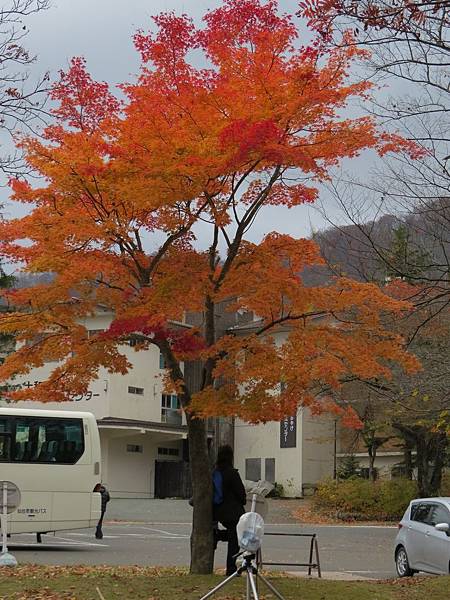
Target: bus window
46	440
5	439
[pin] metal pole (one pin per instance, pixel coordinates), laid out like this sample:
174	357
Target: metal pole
218	587
335	451
316	546
259	558
311	553
251	579
5	517
274	591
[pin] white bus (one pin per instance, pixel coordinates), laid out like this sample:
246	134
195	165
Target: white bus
53	457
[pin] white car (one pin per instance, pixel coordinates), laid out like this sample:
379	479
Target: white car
423	540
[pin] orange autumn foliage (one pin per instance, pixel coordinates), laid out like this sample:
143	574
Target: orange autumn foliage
125	184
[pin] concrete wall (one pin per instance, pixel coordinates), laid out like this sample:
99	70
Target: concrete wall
384	462
108	394
145	374
295	468
318	449
130	474
262	442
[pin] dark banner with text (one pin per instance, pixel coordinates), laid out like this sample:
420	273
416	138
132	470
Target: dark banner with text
288	432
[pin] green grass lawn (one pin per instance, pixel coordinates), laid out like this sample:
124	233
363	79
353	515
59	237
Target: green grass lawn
139	583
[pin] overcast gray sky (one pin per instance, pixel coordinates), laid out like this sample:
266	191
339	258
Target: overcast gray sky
101	31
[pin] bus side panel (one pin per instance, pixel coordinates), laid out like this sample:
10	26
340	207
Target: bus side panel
82	509
77	506
33	514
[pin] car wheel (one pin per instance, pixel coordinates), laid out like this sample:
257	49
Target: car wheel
402	563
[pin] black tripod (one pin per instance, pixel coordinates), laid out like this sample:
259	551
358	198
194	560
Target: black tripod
248	566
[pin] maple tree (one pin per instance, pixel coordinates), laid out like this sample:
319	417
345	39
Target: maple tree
258	125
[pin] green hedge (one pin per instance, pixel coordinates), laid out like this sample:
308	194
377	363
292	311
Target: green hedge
445	485
359	499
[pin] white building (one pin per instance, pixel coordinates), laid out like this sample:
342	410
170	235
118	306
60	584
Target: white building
140	426
295	453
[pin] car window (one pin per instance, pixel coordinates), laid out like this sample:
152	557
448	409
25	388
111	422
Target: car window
421	513
439	514
414	508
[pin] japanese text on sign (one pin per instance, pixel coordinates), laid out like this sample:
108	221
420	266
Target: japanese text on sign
288	432
12	387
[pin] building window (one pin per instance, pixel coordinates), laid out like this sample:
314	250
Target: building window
94	332
169	451
170	409
137	448
253	469
162	362
135	390
270	470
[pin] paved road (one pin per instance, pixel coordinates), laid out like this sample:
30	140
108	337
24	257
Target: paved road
347	552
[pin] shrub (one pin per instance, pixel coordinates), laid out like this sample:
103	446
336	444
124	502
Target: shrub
277	492
359	499
348	467
445	485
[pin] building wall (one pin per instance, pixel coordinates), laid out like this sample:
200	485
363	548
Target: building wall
297	469
318	445
263	442
131	474
125	473
384	462
97	400
145	374
109	395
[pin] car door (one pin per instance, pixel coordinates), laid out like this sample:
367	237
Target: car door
417	529
437	543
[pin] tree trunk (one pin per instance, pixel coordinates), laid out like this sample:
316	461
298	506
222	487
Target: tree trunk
430	448
422	467
202	553
440	449
372	455
430	462
407	459
202	550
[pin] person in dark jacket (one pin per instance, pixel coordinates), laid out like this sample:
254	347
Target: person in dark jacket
105	499
230	510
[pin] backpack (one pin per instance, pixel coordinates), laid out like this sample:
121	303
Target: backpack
217	487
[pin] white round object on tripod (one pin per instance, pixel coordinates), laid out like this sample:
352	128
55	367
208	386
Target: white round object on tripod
250	531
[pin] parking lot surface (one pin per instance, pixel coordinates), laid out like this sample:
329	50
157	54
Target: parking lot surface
345	552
